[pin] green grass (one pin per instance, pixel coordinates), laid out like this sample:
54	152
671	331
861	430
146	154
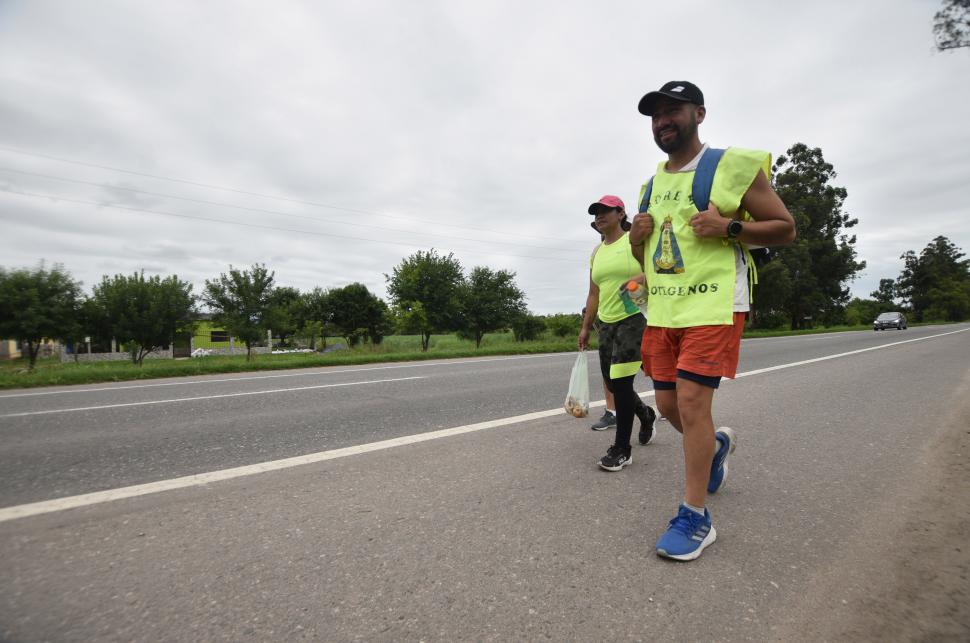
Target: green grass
14	374
783	332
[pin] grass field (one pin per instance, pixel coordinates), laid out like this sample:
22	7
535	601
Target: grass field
14	374
51	372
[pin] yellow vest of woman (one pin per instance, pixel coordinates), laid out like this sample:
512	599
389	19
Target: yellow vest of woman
690	280
611	266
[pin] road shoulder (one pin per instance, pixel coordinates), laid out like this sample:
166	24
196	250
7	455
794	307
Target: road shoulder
911	557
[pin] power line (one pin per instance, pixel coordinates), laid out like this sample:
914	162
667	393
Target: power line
270	196
263	227
260	210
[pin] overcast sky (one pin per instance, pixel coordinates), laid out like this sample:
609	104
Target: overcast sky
351	134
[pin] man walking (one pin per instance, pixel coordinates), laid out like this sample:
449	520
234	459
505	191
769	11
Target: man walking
696	263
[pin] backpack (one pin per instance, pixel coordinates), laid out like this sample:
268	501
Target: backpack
700	188
700	191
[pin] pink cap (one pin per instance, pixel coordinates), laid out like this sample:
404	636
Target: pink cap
609	201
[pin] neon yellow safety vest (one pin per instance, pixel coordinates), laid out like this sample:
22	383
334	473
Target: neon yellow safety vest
611	266
690	280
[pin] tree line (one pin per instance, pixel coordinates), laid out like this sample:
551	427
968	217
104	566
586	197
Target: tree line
807	283
429	293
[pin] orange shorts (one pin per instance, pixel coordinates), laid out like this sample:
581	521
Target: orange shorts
708	351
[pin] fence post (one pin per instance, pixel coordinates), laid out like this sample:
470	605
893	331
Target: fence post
269	339
232	345
114	345
191	343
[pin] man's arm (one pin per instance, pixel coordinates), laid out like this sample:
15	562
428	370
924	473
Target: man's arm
640	231
772	224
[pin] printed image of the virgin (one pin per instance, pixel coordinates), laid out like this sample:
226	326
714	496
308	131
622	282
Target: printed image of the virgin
667	259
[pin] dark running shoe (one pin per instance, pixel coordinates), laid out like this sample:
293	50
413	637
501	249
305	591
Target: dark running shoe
647	418
727	441
616	458
608	421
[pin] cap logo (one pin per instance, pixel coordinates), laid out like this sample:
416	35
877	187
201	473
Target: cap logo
678	88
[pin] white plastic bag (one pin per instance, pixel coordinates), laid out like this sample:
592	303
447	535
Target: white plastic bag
577	399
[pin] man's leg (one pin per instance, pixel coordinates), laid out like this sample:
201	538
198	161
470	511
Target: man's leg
658	352
692	530
667	404
697	425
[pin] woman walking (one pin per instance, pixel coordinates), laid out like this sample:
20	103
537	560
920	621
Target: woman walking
620	331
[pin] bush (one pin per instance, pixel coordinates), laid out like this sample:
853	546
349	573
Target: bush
527	327
564	325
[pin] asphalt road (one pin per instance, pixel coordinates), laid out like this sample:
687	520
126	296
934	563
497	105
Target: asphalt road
507	533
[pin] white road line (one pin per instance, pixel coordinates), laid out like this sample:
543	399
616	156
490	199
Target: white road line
98	497
60	504
846	354
276	375
203	397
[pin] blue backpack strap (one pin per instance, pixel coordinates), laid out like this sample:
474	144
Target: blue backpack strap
645	201
704	178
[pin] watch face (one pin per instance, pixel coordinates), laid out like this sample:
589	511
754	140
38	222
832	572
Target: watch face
734	228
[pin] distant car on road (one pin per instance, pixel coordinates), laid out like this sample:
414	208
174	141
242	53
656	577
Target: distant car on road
890	320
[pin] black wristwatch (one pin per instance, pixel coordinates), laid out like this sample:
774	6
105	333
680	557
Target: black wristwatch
734	229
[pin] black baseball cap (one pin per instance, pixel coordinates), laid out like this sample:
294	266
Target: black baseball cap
682	90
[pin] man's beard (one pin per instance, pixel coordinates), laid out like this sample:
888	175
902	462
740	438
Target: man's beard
682	137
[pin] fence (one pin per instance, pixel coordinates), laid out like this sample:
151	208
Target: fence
217	342
115	353
203	342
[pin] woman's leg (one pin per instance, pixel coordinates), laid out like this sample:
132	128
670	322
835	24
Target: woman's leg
626	403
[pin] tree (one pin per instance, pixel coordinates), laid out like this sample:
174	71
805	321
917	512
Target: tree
771	296
313	316
283	318
433	281
951	25
410	318
242	303
146	313
822	260
936	283
94	324
38	304
885	295
382	324
358	313
488	301
527	327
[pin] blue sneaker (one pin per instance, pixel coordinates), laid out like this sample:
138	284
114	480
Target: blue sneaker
726	443
687	536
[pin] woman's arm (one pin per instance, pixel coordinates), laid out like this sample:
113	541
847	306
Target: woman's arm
592	307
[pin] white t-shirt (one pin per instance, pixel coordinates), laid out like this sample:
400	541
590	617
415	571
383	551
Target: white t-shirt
741	288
